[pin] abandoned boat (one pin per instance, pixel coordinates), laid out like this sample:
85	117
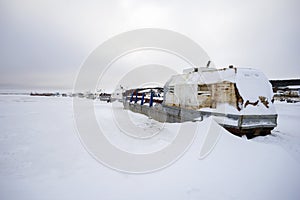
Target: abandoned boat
239	99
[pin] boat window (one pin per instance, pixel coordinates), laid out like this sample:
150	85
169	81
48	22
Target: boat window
203	89
171	89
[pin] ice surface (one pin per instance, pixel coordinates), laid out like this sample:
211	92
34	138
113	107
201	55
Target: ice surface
41	157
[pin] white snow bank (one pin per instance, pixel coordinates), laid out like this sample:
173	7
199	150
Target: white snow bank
252	83
286	134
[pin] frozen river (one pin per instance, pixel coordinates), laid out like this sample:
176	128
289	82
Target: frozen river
41	157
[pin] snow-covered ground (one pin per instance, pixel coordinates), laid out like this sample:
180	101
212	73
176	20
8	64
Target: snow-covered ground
41	157
287	132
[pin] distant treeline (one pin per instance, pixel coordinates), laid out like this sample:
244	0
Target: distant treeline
284	83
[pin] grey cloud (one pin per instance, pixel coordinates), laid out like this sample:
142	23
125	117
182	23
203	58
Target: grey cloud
45	42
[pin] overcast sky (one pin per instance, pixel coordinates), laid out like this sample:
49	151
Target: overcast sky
44	43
